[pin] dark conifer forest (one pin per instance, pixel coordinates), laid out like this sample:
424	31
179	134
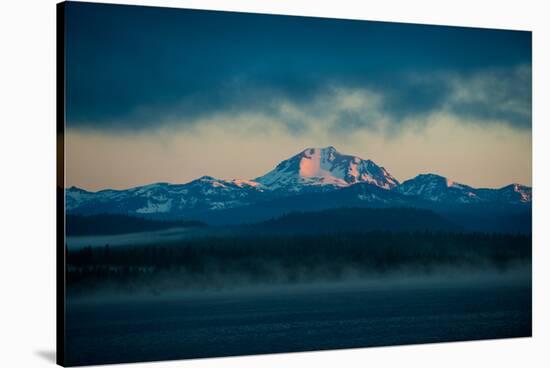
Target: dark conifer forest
242	260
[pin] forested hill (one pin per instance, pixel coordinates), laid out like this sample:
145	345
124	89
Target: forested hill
358	220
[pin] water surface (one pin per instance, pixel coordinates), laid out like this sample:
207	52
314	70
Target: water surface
111	330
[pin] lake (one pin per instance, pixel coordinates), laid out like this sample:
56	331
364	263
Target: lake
130	329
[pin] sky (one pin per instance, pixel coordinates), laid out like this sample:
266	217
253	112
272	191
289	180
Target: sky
169	95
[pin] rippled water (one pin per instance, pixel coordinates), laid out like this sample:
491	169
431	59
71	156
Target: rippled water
293	319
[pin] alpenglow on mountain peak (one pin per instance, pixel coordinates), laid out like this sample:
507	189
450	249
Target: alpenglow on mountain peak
325	166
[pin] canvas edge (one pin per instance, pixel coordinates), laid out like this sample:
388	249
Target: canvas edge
60	185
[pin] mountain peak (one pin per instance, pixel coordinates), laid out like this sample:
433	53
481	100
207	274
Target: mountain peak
315	168
433	179
206	178
209	181
329	151
328	148
438	188
75	188
517	193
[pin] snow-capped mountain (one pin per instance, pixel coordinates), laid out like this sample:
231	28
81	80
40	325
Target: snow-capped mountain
203	194
324	168
438	188
513	193
314	178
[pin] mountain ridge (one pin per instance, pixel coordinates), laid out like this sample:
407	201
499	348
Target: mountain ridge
313	170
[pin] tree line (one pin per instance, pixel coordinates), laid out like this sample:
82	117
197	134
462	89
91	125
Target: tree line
224	261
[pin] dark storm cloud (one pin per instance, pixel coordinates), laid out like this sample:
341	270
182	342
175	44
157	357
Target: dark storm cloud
132	68
500	94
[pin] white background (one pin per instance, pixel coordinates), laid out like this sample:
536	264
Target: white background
27	179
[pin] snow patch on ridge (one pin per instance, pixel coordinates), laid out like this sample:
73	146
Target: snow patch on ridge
155	207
